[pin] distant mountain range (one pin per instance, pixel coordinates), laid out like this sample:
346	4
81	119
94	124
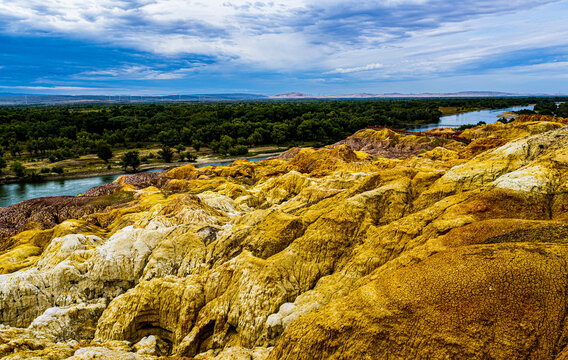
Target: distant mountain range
35	99
297	95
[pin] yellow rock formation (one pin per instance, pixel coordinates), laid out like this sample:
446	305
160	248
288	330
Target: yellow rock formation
382	246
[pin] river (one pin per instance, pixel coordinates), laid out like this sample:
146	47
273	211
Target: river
473	117
14	193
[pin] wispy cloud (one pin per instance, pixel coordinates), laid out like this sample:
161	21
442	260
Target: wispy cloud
223	29
173	40
356	69
134	72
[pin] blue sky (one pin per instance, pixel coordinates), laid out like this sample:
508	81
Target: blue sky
317	47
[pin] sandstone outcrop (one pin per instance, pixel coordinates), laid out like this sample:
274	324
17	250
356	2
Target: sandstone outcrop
485	301
438	250
390	144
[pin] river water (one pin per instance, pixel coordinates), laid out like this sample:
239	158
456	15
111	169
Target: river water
14	193
473	117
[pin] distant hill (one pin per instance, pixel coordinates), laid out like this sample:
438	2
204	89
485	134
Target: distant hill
291	95
23	99
10	94
298	95
34	99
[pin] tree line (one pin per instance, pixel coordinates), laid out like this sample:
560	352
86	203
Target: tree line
60	132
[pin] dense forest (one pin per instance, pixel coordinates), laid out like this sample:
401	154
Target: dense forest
60	132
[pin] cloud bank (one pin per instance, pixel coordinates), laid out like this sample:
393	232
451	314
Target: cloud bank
388	40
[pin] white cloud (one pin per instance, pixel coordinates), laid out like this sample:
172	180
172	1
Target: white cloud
356	69
410	37
134	72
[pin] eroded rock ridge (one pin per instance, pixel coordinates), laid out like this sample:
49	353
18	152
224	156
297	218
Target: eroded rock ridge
381	246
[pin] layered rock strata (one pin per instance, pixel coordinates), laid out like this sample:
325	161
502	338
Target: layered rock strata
438	250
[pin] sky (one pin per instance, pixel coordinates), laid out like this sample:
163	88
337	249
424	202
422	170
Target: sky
319	47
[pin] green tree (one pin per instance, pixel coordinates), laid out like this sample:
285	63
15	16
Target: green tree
225	144
279	133
64	153
32	147
196	144
256	137
306	130
132	159
18	169
189	156
168	138
3	164
69	132
104	152
166	153
214	145
51	156
238	150
546	108
179	149
15	150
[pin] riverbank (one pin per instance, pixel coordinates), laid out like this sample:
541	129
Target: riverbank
88	175
510	115
454	110
90	165
103	171
74	184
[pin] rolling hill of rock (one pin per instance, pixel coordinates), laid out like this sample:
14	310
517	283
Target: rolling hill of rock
381	246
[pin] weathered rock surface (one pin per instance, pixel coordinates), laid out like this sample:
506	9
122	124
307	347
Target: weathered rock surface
76	322
390	144
488	301
439	250
151	345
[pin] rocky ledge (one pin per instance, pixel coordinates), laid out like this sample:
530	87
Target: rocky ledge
382	246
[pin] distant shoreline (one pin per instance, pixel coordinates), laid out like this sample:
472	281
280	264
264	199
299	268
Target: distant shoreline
463	112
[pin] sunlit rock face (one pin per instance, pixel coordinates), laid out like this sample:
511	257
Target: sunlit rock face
439	250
